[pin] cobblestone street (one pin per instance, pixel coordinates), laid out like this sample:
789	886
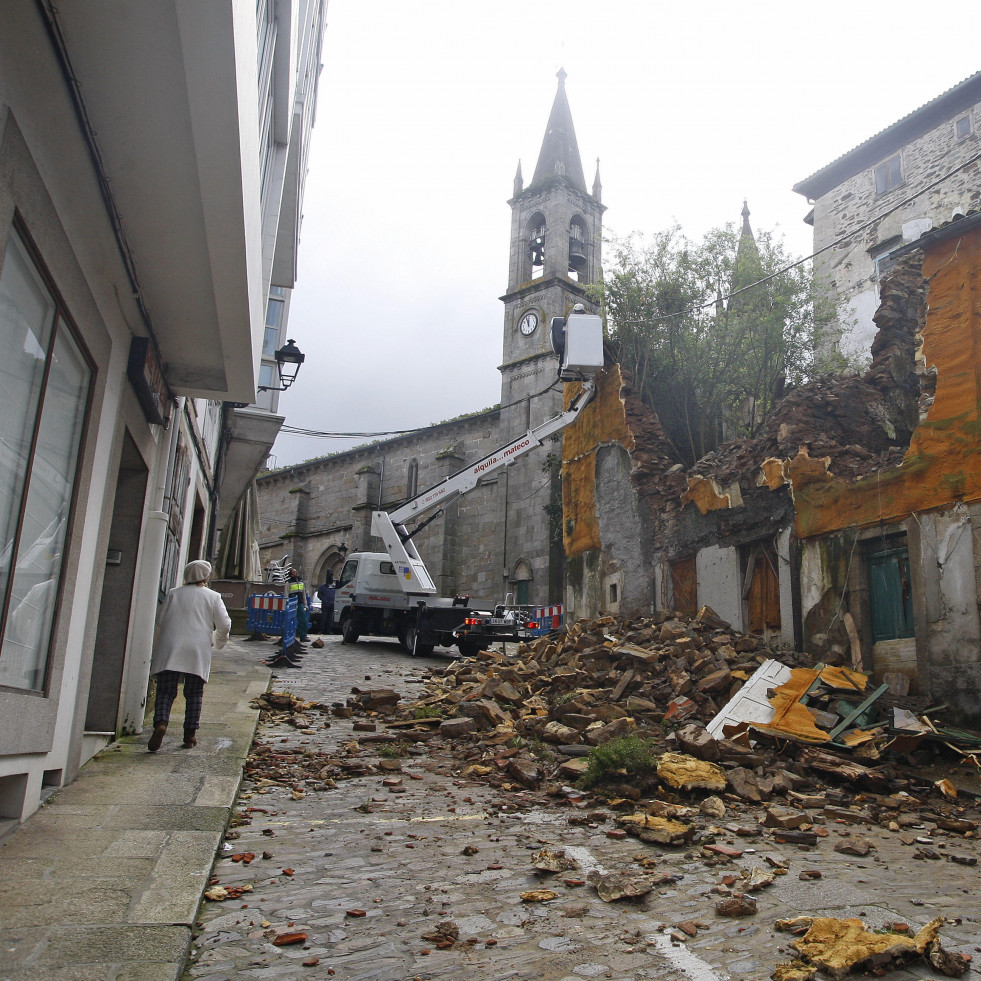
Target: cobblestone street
369	870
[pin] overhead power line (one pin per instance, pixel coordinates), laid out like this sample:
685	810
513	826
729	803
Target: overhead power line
323	434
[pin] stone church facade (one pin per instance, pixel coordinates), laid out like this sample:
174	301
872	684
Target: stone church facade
505	536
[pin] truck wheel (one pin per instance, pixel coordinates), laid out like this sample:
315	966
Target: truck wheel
422	650
468	648
349	632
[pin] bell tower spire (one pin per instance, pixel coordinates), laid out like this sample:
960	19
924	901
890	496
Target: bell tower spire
560	151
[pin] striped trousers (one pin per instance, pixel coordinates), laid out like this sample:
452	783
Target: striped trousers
167	682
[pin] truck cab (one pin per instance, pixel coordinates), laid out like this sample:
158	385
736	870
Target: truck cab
369	600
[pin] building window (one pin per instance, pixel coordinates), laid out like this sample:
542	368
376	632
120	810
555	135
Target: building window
180	482
888	175
890	590
274	320
963	127
412	480
44	392
882	258
274	308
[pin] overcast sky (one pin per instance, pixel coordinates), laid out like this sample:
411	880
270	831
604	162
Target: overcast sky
425	109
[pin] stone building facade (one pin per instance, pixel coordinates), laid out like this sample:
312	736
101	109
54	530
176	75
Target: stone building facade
912	176
503	538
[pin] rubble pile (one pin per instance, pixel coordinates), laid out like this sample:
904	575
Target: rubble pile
604	677
281	706
652	688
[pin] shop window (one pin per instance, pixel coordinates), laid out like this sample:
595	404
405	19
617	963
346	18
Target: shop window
44	391
890	590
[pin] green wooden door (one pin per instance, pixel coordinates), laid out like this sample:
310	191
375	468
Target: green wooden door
891	594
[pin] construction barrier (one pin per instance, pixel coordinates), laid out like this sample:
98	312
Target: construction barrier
273	614
548	618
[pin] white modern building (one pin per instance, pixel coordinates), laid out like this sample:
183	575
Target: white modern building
152	158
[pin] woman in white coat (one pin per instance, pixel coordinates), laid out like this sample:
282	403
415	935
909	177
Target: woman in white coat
193	621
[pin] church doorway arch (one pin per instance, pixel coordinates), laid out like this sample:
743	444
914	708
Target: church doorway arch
330	563
521	582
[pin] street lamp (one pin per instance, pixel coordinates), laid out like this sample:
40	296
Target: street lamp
288	360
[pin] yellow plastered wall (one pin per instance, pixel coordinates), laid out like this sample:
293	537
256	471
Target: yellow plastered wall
603	421
943	462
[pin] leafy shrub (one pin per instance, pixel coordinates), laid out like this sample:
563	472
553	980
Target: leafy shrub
628	758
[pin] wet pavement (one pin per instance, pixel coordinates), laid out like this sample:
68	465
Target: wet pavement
371	868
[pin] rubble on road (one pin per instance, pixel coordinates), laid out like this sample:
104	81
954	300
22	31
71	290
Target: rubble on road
838	947
611	886
281	706
535	719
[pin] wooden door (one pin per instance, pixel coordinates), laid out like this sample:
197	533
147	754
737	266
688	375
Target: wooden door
762	589
684	586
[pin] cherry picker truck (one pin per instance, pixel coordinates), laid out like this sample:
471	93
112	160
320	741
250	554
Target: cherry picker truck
392	594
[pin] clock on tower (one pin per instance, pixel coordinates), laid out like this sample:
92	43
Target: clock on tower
528	323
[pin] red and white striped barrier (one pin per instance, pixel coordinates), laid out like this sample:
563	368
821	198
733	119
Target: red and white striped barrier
549	613
268	602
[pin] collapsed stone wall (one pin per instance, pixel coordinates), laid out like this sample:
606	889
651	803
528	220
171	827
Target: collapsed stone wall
743	491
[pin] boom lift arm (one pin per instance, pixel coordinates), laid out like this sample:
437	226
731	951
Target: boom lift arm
579	344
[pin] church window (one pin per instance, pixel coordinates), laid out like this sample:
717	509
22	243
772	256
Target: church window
889	174
963	126
412	480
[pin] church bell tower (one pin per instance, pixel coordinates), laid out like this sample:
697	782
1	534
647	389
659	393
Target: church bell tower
556	241
556	246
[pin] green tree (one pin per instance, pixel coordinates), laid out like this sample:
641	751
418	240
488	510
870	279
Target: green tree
712	331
